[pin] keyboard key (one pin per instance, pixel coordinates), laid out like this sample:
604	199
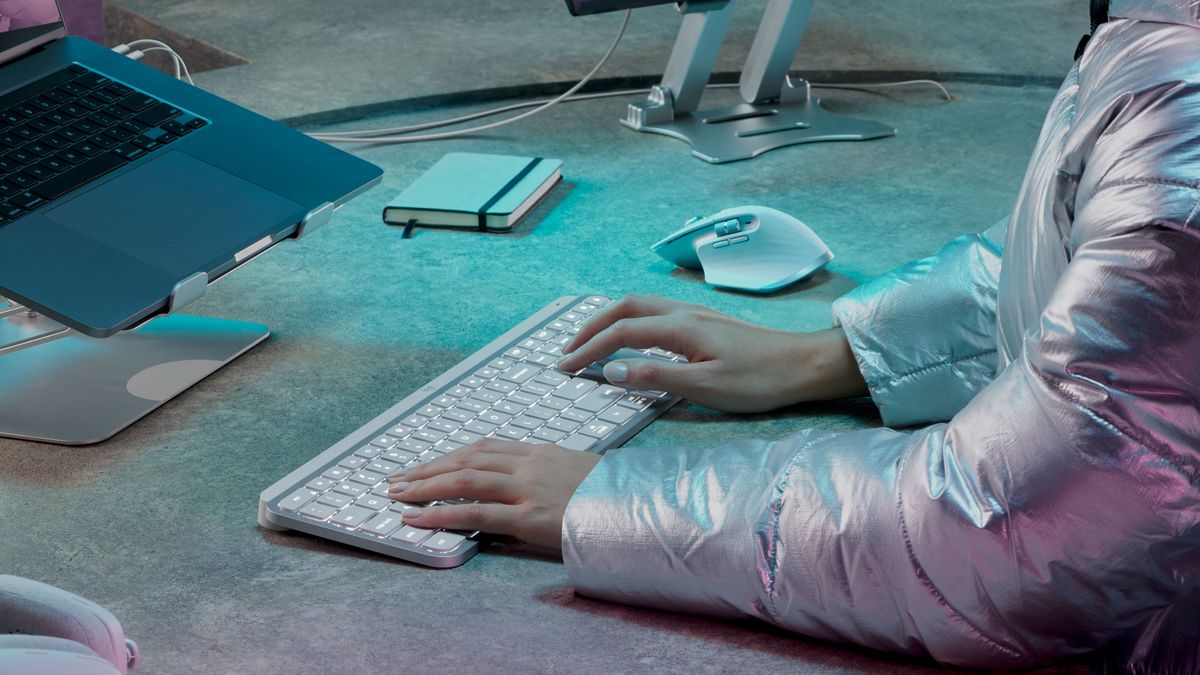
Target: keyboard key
317	511
91	81
337	473
157	114
335	500
597	429
196	123
118	90
520	374
617	415
137	102
10	212
399	456
320	484
383	524
512	433
383	466
86	148
549	435
26	200
521	398
102	96
368	478
410	445
535	389
78	175
136	127
352	516
369	451
428	436
600	398
462	438
555	403
386	441
459	415
636	401
353	463
541	412
577	442
412	535
576	415
444	541
126	150
563	425
37	172
38	148
403	507
443	425
373	502
297	500
352	489
552	378
501	386
479	427
526	422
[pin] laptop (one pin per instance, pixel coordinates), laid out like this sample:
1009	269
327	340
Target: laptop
118	183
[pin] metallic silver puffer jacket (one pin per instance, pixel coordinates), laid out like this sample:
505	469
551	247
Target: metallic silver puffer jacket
1059	508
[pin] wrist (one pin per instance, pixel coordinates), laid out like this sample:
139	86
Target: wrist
825	367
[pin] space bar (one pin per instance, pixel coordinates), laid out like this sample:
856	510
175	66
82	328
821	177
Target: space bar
76	176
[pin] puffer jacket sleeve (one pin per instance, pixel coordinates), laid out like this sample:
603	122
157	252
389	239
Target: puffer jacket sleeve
1059	508
924	334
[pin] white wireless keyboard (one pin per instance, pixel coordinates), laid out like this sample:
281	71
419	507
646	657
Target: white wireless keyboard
510	390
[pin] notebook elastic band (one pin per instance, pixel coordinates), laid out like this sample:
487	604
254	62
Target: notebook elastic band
482	212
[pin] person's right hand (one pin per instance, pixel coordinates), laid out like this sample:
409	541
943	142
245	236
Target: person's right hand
732	365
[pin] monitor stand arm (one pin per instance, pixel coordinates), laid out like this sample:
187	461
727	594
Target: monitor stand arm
776	111
77	390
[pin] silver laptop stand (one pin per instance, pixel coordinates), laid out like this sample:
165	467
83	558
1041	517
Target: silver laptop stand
59	386
777	111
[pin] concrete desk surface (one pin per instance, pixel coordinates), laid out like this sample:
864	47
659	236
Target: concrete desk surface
158	524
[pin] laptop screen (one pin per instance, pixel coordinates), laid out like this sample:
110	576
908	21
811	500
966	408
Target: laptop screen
22	21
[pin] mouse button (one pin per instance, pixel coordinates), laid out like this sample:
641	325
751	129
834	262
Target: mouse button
720	244
738	240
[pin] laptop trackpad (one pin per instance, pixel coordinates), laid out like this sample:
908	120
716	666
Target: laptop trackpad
178	214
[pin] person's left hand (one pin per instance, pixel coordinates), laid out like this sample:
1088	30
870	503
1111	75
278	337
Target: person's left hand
528	487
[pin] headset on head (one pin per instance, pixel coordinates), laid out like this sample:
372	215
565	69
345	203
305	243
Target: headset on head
1099	16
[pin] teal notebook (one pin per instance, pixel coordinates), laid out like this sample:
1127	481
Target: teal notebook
466	189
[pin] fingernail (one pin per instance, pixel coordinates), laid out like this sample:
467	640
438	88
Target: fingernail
393	477
616	372
412	513
398	486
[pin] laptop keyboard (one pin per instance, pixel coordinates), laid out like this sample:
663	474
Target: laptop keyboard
72	127
509	390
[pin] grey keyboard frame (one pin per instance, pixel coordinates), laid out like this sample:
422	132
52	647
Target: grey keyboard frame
272	517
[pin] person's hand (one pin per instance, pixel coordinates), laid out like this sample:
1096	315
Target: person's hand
528	487
732	365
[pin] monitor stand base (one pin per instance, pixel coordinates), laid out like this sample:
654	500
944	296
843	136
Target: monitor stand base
78	390
747	130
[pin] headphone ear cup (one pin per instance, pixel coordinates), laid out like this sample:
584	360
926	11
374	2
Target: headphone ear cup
30	608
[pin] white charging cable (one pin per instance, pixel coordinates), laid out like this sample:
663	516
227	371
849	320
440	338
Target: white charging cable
385	135
132	50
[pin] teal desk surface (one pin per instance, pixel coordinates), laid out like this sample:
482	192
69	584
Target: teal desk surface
158	524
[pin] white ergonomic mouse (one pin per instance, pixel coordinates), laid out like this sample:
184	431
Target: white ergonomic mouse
748	248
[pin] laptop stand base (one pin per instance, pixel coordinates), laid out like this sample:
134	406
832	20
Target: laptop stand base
78	390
